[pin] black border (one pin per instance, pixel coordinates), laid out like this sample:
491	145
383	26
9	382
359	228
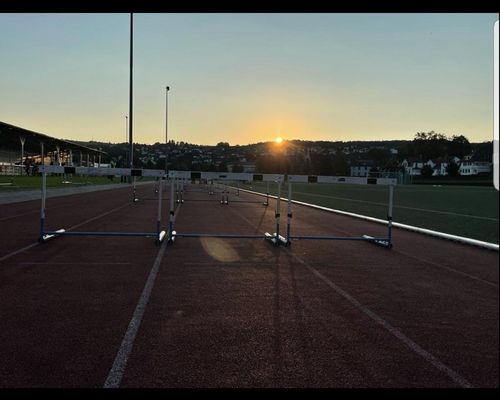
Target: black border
254	6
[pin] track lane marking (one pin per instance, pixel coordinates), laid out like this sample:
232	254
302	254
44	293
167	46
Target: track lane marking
436	265
3	258
117	370
447	268
379	320
457	378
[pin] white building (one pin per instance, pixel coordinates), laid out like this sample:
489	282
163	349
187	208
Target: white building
474	167
361	170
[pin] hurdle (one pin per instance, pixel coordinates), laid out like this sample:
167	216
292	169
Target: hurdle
45	235
380	241
275	238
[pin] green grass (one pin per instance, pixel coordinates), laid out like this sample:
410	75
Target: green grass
35	182
470	211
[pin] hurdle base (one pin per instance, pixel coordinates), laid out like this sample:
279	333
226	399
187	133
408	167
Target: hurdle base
283	241
272	238
161	236
44	238
171	238
378	242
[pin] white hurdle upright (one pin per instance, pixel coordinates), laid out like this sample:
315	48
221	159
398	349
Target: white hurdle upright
381	241
45	235
274	238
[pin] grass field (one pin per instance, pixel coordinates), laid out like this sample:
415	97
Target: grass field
469	211
34	182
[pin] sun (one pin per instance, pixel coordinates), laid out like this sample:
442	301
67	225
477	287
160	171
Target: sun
278	140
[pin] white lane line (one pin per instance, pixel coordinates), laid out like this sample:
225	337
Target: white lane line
394	331
447	268
18	251
19	215
434	264
120	363
117	371
72	227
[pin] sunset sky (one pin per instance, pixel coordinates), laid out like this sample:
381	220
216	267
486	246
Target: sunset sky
246	78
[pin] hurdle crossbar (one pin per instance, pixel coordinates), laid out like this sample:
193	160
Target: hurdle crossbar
45	235
275	238
381	241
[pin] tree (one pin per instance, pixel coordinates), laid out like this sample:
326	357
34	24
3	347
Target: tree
223	166
379	156
341	165
430	145
459	146
453	169
426	171
238	168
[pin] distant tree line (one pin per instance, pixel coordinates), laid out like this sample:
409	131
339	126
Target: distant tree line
310	157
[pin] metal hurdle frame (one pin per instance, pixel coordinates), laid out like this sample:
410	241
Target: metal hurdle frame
274	238
45	235
380	241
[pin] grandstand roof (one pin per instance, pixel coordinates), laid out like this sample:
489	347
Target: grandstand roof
10	134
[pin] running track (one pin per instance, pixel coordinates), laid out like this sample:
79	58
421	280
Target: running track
124	312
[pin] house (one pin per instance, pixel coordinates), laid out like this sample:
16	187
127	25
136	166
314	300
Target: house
414	167
363	168
468	168
440	169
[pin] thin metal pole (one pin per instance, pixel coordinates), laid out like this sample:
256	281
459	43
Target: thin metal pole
44	184
277	213
289	215
22	139
166	128
171	214
130	113
131	92
389	215
158	222
267	194
133	190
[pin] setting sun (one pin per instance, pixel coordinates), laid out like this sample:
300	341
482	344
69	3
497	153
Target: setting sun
278	140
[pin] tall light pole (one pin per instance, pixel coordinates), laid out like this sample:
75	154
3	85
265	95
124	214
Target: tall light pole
131	148
166	128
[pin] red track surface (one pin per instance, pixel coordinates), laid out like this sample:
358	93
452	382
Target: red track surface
237	312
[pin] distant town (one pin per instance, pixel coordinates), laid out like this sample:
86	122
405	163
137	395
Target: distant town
428	155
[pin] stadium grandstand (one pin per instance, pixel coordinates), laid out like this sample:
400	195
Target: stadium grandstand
20	147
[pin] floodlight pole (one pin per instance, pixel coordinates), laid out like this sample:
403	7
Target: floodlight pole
166	128
131	148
